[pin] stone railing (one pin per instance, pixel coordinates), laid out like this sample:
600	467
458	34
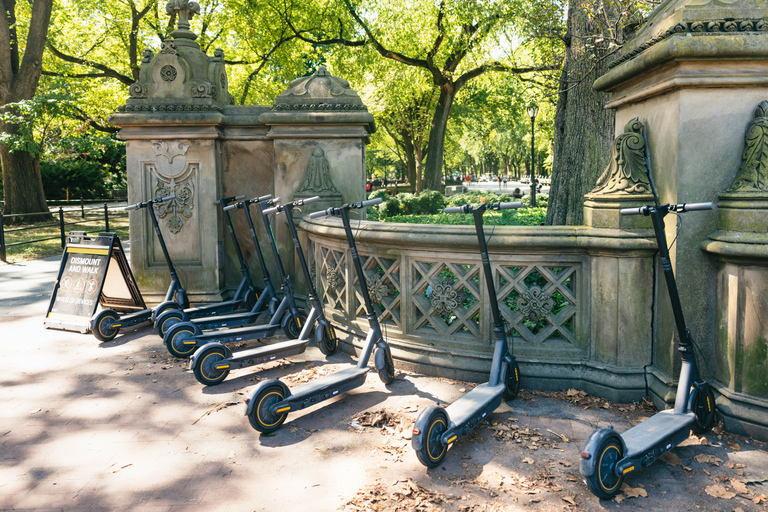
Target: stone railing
552	284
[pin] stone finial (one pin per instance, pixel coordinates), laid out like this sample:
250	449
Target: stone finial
627	172
753	173
185	10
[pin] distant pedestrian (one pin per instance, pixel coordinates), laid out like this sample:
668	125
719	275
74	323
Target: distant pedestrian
517	194
505	182
499	178
538	185
369	187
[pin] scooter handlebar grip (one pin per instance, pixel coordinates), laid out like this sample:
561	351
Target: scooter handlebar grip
371	202
133	206
270	210
317	215
229	207
265	198
510	206
308	200
166	198
632	211
454	209
689	207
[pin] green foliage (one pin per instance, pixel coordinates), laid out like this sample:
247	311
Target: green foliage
381	193
522	217
431	202
389	208
409	204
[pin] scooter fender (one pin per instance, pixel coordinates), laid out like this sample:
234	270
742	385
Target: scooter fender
163	307
159	320
199	352
588	465
420	426
380	357
250	402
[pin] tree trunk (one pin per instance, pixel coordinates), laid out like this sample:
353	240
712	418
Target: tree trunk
433	170
410	157
23	187
580	155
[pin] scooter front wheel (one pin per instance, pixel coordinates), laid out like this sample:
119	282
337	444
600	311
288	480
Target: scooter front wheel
260	416
206	369
103	328
603	482
292	326
168	319
180	340
512	382
328	344
428	443
387	369
703	406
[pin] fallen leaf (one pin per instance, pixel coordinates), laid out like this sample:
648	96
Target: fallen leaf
708	472
618	498
735	447
719	429
568	499
633	492
718	491
738	509
759	499
709	459
528	460
736	466
671	459
739	487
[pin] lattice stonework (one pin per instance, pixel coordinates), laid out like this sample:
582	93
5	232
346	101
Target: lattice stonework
446	299
383	280
538	301
331	269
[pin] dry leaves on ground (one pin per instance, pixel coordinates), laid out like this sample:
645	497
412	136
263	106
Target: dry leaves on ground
397	428
585	400
314	372
718	491
530	438
633	492
673	460
703	458
402	496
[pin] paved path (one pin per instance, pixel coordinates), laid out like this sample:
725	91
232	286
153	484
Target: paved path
91	426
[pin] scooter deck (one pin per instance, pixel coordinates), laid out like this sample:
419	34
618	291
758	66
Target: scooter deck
466	412
327	387
213	309
250	332
266	353
656	433
218	321
135	318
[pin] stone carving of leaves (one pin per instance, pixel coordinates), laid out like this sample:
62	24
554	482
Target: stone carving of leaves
332	276
753	174
377	289
626	172
534	303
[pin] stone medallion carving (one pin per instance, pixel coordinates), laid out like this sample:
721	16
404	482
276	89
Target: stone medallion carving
168	73
377	288
444	298
753	173
173	175
318	178
534	303
626	172
333	277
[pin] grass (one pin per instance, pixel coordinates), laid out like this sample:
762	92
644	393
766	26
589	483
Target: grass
73	221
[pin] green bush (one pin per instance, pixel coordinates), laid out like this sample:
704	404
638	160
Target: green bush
381	193
409	204
389	208
431	202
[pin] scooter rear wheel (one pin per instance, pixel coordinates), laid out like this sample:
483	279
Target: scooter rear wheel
387	373
328	344
103	330
205	370
260	417
432	449
703	406
512	382
176	341
603	482
251	298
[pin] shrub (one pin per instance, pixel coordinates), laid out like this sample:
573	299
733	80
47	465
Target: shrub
409	204
381	193
431	202
389	208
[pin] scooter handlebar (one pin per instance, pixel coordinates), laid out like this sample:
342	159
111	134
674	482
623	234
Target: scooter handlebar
510	206
229	199
163	199
261	199
634	211
144	205
308	200
455	209
690	207
270	210
321	213
230	207
371	202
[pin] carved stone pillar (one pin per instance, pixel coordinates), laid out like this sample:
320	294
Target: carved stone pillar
740	246
693	72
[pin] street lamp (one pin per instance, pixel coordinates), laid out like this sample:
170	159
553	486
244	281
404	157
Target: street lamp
533	109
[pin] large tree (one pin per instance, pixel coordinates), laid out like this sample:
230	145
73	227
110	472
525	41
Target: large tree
19	77
452	42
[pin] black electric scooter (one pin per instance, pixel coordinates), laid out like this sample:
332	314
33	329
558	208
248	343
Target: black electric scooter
607	456
185	337
437	427
245	296
107	323
270	401
212	363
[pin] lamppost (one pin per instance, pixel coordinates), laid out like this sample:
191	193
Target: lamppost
533	110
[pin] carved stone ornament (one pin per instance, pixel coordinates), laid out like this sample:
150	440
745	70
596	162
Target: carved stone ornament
318	180
534	304
319	92
185	10
178	207
444	298
137	90
168	73
377	288
147	55
333	277
753	173
173	176
168	46
626	172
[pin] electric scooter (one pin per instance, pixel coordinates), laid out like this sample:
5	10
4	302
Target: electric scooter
212	363
246	294
107	323
185	337
437	427
269	403
607	456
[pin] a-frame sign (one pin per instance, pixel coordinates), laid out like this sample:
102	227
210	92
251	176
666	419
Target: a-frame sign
94	271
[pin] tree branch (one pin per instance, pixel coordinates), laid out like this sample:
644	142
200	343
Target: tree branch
498	67
108	72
